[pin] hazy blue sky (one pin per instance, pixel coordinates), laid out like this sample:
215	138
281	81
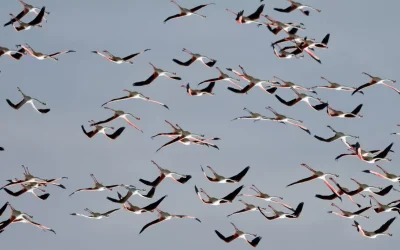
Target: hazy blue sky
363	38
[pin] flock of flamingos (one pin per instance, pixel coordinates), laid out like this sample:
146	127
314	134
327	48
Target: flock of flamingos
296	46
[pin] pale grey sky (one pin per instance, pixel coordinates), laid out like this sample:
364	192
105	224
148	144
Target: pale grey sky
51	145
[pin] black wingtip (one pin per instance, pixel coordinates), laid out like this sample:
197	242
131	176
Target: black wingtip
44	196
114	200
44	111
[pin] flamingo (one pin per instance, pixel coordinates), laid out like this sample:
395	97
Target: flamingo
195	57
27	99
380	231
239	234
119	60
134	95
102	130
27	26
187	12
297	6
253	18
118	114
374	81
164	216
165	173
27	9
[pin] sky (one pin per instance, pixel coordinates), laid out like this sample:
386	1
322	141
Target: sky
53	145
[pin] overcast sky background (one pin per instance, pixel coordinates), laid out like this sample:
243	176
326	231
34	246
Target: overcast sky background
363	38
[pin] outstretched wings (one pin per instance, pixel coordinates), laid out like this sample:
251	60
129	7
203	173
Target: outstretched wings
226	239
257	13
38	19
240	175
148	81
151	223
230	197
18	17
385	226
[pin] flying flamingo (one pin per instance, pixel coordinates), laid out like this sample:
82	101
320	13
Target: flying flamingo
187	12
